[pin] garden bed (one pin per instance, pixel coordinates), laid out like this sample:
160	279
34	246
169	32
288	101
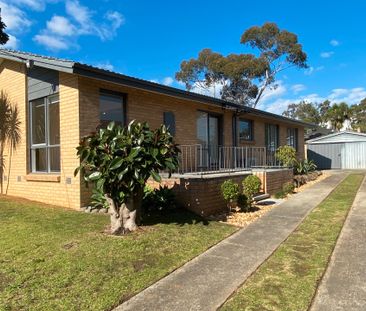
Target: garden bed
240	218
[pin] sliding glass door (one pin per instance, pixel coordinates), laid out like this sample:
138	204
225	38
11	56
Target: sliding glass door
208	136
272	139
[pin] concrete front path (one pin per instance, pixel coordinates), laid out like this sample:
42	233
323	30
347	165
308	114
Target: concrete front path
344	284
208	280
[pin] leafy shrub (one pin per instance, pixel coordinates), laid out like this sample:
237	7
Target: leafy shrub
304	167
230	190
251	186
242	202
158	200
280	194
288	187
286	155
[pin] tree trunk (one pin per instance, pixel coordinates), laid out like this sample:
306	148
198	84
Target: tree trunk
126	217
131	211
9	169
115	216
2	167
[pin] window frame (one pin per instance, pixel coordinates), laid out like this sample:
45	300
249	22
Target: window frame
124	103
269	134
294	132
47	100
251	128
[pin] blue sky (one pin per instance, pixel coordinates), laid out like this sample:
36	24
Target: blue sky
149	39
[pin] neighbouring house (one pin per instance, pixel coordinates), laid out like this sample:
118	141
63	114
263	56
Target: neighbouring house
61	101
341	150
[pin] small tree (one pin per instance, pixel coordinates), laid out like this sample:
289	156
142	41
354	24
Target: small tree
251	186
9	133
286	155
119	161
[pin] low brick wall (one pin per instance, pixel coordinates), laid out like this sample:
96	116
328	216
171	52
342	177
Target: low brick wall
201	194
273	179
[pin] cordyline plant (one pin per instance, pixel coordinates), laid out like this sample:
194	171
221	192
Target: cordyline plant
10	134
118	161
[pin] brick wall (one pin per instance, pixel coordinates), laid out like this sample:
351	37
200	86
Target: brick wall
273	179
79	115
52	188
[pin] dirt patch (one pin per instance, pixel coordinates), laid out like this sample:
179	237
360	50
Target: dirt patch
141	264
70	245
4	281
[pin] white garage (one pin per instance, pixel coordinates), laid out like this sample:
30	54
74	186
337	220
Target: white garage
343	150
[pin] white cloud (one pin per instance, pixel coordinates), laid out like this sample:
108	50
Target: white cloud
13	43
83	16
326	54
297	88
36	5
312	70
61	26
271	93
51	42
168	81
278	106
350	96
105	65
79	21
334	42
213	91
15	19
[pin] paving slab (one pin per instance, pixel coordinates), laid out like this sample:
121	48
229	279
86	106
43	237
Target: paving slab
206	282
343	286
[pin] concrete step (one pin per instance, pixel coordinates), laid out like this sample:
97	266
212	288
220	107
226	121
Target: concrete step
261	197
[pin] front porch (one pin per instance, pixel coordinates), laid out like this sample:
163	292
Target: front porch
208	159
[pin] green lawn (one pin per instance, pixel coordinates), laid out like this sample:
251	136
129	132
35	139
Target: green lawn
287	281
57	259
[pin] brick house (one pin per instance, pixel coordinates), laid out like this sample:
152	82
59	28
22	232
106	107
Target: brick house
60	101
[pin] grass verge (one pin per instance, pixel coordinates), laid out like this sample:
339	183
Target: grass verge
287	281
57	259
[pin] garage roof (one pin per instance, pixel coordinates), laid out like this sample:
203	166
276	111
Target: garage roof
339	137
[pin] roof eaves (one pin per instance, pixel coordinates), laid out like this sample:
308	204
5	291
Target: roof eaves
97	73
40	61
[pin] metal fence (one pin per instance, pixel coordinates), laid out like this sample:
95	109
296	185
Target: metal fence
200	158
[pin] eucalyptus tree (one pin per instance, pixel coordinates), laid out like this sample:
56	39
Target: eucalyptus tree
243	78
118	161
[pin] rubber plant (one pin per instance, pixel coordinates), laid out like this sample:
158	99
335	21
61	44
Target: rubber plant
118	161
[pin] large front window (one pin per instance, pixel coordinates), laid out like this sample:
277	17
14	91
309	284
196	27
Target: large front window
45	134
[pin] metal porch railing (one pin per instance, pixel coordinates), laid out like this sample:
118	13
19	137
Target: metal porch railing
200	158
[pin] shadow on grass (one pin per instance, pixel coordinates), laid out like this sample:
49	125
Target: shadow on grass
179	217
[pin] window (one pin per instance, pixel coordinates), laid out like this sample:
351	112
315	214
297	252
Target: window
292	137
45	134
245	130
271	137
111	108
169	122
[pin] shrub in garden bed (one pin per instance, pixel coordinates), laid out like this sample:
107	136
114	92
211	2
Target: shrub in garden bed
160	200
251	186
230	192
